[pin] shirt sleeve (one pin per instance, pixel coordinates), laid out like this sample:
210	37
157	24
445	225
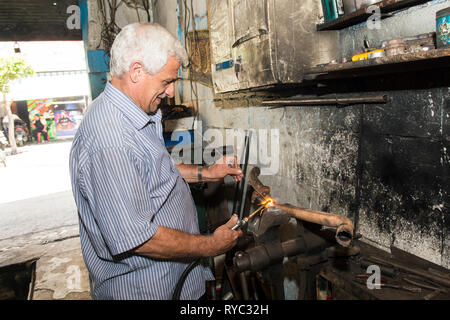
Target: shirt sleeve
119	199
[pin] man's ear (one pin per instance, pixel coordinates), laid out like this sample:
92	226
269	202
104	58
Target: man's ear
136	71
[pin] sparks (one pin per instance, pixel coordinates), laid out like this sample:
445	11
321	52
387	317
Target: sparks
268	202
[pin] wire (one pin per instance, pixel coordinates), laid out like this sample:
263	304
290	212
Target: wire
189	18
177	292
110	29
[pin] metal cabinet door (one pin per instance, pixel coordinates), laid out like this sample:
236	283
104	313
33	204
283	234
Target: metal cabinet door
221	39
252	43
240	44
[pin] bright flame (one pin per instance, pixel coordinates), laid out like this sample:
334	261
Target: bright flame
268	202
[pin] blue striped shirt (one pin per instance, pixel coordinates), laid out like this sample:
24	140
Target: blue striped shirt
125	185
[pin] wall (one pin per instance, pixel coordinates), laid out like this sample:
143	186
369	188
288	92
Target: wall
404	147
100	22
385	166
125	14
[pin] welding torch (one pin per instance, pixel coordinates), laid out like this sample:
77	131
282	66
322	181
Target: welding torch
242	222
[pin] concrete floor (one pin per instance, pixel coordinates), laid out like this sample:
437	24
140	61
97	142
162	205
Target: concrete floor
35	190
39	222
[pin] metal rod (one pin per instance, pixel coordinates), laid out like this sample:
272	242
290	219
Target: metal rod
261	207
244	286
239	191
326	101
242	222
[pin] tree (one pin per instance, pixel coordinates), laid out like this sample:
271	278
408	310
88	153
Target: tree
12	69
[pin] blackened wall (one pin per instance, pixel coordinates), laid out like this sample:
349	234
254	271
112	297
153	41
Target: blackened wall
402	173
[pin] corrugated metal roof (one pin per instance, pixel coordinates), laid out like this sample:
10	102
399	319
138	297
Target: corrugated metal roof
33	20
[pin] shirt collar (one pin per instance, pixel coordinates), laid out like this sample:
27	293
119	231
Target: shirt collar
127	106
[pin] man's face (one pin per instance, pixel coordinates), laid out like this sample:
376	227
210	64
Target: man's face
156	87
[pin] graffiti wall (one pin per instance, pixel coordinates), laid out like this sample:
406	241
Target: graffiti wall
43	110
62	118
67	118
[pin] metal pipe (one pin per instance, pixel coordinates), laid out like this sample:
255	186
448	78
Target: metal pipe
239	191
244	286
326	101
264	255
253	180
344	232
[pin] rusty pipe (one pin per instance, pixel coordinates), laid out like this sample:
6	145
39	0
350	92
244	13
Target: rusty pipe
344	231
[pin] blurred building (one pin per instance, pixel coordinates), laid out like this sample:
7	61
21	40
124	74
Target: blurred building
58	91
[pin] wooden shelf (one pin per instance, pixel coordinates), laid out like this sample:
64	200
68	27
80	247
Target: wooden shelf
383	65
360	15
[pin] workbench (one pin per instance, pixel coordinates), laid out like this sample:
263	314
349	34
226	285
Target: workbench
338	279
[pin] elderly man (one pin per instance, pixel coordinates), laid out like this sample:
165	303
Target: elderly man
138	223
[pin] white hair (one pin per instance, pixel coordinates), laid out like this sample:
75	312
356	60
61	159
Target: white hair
148	43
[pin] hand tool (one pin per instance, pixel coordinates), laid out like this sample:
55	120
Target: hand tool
439	280
438	273
268	201
426	280
242	222
389	272
365	276
407	288
422	285
392	286
432	295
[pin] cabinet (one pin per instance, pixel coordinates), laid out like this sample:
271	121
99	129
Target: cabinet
262	43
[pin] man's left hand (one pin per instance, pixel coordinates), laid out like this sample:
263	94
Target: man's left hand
227	165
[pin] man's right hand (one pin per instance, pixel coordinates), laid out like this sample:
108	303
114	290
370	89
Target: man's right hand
169	243
223	239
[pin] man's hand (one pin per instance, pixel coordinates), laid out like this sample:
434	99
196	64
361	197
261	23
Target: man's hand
224	238
227	165
169	243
